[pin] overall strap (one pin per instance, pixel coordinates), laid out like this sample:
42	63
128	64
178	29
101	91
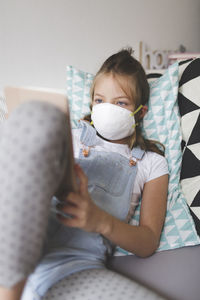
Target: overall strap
137	153
88	134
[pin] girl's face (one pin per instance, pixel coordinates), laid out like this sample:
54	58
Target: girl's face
108	90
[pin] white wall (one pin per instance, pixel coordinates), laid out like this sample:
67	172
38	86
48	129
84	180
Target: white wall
38	38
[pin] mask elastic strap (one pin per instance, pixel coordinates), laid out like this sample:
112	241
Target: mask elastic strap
134	125
133	113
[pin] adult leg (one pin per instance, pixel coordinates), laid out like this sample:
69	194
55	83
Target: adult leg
99	284
33	146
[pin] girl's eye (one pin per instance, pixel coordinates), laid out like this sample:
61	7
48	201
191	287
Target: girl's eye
121	103
98	101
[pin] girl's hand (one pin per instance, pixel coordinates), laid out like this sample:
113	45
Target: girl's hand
85	214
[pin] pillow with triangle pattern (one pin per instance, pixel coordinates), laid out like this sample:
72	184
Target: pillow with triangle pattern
162	123
189	105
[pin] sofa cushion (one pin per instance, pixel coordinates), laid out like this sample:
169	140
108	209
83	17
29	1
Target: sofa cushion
173	274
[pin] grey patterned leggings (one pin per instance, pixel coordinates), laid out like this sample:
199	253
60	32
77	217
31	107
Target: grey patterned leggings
33	168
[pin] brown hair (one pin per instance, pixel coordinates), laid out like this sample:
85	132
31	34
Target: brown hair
132	78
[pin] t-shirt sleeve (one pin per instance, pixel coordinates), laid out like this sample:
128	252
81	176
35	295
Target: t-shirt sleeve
158	167
150	167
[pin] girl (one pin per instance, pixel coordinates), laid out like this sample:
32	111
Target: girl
115	167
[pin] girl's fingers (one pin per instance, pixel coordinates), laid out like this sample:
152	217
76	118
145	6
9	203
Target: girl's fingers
68	209
71	222
72	199
83	185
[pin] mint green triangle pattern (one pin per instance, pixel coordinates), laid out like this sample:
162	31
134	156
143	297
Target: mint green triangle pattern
78	92
162	123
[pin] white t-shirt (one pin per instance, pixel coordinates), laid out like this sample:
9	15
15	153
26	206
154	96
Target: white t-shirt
151	166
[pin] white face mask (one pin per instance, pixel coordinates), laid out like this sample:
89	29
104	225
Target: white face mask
112	121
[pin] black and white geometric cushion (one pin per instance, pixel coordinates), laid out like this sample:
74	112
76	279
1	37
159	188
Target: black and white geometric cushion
189	105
